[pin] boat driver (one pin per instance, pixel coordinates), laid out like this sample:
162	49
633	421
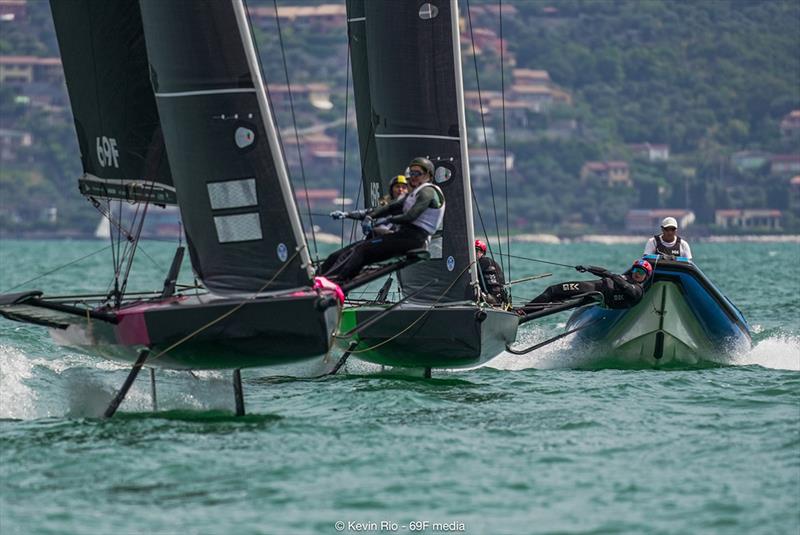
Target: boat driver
668	244
417	215
618	291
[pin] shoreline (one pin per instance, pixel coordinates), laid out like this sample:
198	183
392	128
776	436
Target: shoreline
542	238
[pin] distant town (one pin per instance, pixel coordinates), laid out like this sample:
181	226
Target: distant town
531	130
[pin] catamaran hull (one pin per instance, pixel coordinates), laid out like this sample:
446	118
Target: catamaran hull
416	336
199	332
682	319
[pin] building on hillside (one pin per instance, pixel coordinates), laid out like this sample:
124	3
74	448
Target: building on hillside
498	163
613	173
748	160
480	40
562	129
13	10
531	77
756	219
321	18
650	152
794	195
12	142
320	198
790	125
649	221
316	147
29	69
785	164
316	94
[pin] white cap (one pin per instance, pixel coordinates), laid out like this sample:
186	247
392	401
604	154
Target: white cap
669	222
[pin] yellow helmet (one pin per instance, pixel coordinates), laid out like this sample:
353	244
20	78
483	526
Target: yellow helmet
399	179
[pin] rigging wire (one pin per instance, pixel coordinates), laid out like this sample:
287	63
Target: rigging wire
346	112
505	147
294	124
57	268
539	260
485	139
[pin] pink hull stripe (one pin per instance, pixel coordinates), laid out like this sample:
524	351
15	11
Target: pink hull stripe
132	328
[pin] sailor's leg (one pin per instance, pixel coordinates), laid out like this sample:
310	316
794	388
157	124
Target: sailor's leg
392	245
237	392
114	405
558	293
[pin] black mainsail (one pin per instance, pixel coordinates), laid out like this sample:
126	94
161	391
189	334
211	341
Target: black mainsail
236	201
409	102
107	70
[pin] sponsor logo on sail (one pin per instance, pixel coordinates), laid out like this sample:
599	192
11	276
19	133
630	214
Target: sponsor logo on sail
283	252
107	153
451	263
244	137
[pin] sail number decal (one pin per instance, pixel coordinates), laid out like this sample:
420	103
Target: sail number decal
107	153
374	193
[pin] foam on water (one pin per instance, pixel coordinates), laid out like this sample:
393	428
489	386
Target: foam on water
779	352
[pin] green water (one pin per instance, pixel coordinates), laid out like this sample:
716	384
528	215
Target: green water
529	444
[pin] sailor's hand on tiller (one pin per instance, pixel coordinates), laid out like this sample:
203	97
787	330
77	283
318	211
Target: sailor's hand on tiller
581	269
338	214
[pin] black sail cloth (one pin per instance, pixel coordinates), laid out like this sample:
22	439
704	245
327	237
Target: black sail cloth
224	168
106	67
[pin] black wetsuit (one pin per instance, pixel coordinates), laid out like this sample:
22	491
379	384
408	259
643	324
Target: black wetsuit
618	291
347	263
492	281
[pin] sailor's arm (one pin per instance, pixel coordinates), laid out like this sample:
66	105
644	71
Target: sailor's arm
394	207
686	251
595	270
628	288
650	246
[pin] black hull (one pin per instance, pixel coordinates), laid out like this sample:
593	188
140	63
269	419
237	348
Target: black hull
197	332
412	336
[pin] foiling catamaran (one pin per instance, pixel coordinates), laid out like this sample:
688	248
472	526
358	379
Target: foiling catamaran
408	89
170	107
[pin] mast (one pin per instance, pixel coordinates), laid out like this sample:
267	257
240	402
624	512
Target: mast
272	134
462	133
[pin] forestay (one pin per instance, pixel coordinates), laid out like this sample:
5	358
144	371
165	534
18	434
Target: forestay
409	103
116	121
239	213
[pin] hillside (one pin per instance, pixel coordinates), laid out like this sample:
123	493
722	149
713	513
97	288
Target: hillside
710	82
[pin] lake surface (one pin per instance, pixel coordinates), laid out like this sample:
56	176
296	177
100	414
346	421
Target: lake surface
527	444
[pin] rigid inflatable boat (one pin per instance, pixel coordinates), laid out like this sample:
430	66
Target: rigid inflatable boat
683	318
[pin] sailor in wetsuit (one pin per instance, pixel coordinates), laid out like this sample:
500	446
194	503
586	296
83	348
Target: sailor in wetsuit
618	291
493	283
417	215
668	244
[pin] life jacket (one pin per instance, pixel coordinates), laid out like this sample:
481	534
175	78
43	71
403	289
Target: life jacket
431	219
674	250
